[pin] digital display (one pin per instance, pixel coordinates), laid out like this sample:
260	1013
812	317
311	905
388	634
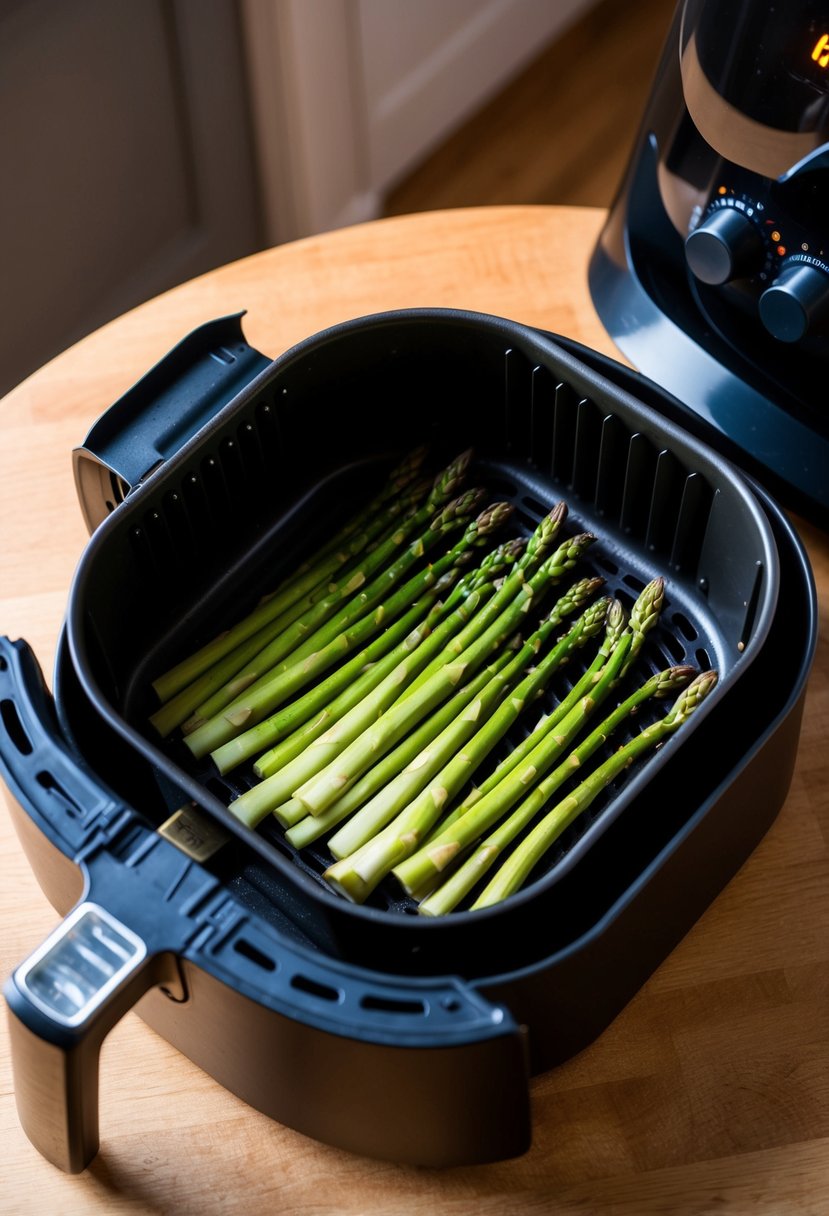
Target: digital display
820	54
768	60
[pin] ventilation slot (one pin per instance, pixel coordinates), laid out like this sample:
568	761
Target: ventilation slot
304	983
184	542
541	419
518	403
253	462
14	728
668	480
144	559
691	523
751	610
639	478
673	647
610	477
250	952
160	542
197	505
48	782
216	493
684	626
267	422
586	454
234	472
564	433
386	1004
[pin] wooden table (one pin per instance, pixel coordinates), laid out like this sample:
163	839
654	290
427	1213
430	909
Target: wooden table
709	1093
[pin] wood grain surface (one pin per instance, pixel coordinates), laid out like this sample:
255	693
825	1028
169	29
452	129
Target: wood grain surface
708	1094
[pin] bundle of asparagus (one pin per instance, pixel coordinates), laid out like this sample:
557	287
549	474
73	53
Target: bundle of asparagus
371	687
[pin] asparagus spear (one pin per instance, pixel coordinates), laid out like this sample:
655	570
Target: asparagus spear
348	541
358	874
352	596
615	627
332	781
286	732
491	568
465	706
351	626
450	893
305	663
643	616
252	806
355	684
401	775
444	486
398	482
531	560
492	806
225	671
522	861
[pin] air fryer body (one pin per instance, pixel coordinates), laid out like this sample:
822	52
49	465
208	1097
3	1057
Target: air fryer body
712	273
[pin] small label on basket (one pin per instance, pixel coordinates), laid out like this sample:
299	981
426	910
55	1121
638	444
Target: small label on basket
194	833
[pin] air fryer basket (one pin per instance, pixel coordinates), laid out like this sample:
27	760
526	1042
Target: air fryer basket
211	531
230	486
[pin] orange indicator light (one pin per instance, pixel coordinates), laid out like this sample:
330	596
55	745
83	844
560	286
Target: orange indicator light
775	236
722	190
781	249
821	52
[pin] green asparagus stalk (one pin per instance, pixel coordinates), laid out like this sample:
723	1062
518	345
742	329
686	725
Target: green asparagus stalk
491	568
450	893
644	614
391	784
416	859
520	864
225	673
351	597
278	757
615	627
358	874
464	742
531	560
363	671
257	802
359	618
354	536
465	705
398	482
444	486
377	659
339	636
332	781
466	829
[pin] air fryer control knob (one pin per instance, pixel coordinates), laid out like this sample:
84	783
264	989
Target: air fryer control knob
797	301
727	245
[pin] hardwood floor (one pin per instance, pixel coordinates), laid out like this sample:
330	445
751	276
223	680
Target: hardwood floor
562	131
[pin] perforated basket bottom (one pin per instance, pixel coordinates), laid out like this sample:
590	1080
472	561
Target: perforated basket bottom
683	635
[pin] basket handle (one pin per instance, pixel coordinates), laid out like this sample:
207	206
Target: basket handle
62	1002
68	994
150	916
164	409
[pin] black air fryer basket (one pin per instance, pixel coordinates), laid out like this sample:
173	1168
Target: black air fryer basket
214	475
